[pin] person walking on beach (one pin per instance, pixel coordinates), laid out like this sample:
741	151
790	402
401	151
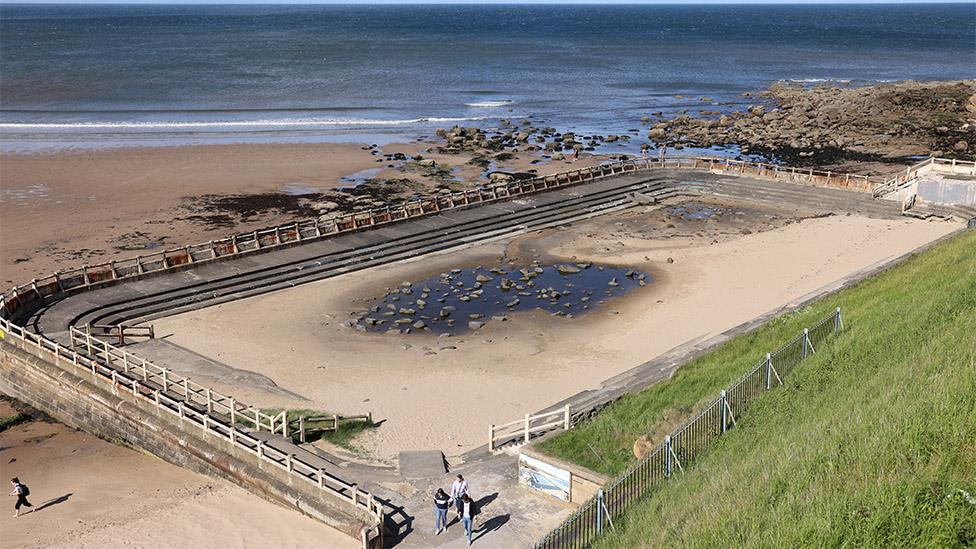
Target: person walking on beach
441	504
459	489
468	513
575	154
22	491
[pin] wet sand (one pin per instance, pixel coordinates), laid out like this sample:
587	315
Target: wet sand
64	209
91	493
442	393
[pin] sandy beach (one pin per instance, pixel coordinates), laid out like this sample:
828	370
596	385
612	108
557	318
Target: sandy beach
65	209
442	392
91	493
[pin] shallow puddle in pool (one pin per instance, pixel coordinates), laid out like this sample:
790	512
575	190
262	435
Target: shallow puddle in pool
696	211
462	300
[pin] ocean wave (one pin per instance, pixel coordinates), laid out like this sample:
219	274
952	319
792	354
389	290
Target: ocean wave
280	123
490	104
815	80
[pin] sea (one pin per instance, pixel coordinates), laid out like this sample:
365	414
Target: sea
81	76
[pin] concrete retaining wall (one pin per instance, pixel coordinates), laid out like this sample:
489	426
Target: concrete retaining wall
948	191
63	392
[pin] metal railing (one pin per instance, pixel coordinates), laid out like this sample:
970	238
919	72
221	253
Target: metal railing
686	443
193	404
26	298
523	429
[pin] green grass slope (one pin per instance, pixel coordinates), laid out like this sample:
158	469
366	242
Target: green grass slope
872	443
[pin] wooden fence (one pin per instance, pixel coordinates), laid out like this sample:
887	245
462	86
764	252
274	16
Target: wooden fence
26	298
524	429
120	332
688	442
929	165
310	425
169	382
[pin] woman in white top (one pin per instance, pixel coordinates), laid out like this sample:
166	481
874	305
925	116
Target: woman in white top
459	488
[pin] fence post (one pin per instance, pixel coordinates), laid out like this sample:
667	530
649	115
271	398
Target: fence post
837	321
566	419
491	437
667	454
724	409
526	427
769	370
301	429
806	341
599	512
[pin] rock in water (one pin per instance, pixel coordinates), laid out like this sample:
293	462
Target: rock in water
567	269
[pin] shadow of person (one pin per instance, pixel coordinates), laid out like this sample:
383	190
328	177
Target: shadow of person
492	524
53	502
485	501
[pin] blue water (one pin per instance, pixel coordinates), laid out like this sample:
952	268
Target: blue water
89	75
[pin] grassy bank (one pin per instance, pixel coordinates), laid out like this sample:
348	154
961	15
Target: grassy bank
870	443
343	436
606	443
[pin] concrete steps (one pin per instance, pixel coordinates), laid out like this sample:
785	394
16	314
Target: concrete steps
799	196
257	274
925	210
288	268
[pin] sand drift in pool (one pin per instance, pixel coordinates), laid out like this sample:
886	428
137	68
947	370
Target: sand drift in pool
466	299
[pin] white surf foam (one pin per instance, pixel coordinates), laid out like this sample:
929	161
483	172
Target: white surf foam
490	104
229	124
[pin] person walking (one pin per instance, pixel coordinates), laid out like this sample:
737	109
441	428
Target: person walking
22	491
468	513
441	504
459	489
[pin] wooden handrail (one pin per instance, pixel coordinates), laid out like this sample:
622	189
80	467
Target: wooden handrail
140	389
93	275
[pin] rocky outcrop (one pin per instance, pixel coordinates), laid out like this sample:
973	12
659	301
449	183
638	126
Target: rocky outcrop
829	123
